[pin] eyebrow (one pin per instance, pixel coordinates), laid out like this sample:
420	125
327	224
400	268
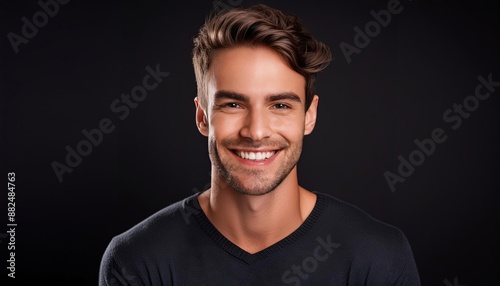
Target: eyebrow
224	94
284	96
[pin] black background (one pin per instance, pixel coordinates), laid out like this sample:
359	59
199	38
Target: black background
371	110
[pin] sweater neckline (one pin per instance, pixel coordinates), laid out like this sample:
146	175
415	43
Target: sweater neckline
243	255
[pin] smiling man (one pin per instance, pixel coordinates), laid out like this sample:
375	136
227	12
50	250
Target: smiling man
255	69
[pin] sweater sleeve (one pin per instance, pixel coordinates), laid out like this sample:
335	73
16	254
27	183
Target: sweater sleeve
404	269
112	273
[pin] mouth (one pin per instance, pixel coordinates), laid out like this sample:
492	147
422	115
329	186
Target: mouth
256	156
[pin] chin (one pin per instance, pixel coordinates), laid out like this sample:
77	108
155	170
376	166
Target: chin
263	187
253	192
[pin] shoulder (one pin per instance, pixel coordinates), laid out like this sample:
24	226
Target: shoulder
355	221
150	236
132	254
369	243
359	233
171	221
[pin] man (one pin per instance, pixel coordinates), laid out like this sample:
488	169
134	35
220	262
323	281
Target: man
255	69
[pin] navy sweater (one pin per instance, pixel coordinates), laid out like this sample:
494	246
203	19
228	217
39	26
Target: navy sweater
337	244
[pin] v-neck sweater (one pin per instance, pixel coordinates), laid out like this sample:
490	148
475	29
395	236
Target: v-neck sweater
337	244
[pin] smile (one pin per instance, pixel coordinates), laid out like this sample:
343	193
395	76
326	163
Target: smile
255	156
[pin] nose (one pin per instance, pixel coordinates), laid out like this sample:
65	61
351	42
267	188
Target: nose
257	125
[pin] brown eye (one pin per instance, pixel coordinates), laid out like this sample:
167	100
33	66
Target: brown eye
281	106
232	105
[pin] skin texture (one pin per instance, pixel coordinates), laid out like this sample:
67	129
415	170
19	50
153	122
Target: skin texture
256	102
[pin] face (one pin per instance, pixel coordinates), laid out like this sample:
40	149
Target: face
255	118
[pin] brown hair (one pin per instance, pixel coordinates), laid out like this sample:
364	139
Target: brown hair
260	25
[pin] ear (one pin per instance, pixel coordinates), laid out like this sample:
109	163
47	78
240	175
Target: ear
311	114
201	118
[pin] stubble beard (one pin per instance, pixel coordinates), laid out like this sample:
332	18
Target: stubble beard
259	182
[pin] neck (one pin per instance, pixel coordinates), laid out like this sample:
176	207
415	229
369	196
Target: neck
257	222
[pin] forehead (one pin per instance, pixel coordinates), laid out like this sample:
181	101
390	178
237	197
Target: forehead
253	71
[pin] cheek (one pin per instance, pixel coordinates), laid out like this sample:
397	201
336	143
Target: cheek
223	126
278	122
295	136
290	128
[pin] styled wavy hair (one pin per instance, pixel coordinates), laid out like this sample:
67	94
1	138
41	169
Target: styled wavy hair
259	25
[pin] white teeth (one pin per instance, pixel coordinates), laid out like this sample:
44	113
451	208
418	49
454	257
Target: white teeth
255	156
259	156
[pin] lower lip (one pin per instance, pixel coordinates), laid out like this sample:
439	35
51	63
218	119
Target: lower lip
257	163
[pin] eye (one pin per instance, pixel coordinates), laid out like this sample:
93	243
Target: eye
232	105
281	106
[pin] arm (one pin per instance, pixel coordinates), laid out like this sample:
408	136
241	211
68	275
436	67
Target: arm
404	270
113	274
